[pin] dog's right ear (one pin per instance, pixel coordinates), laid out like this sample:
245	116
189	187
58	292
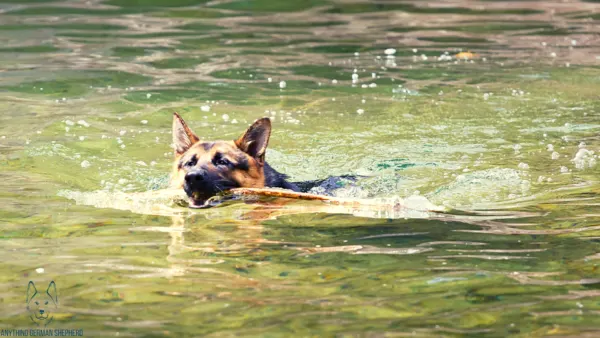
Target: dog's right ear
31	291
183	136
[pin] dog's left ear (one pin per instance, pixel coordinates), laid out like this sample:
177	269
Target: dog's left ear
52	292
255	140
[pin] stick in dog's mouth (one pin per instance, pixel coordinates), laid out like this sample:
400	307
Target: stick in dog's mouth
199	201
196	202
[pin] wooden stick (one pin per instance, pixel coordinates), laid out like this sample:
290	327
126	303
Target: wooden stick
270	192
284	193
390	205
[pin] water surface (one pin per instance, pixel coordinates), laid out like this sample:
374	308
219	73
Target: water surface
505	136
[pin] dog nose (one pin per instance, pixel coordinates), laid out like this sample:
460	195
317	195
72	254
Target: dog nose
195	176
42	312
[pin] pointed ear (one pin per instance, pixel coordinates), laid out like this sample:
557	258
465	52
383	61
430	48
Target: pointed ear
31	291
255	140
52	292
183	136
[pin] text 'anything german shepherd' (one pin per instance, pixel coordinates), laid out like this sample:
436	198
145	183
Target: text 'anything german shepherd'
204	169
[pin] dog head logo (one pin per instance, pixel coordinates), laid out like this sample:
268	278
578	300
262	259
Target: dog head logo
41	305
204	169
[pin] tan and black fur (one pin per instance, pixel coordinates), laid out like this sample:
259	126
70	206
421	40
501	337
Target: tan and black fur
204	169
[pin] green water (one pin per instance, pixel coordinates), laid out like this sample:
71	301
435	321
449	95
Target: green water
507	142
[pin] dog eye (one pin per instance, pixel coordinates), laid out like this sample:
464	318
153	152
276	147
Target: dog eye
46	302
191	162
222	161
37	303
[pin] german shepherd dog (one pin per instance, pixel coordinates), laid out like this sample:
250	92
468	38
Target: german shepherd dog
41	305
204	169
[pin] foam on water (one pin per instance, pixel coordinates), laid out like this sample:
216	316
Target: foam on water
173	202
421	122
486	186
584	158
157	202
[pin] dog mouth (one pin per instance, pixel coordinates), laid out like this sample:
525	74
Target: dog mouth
207	195
196	197
197	203
199	200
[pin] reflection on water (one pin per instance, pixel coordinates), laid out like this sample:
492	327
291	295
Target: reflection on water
488	109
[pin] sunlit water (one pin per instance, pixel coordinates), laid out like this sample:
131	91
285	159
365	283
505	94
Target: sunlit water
505	139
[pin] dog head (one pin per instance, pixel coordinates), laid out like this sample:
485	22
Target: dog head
204	169
41	305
